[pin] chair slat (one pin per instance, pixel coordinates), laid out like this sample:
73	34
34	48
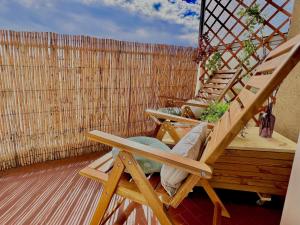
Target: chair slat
218	81
225	72
210	91
209	97
258	81
270	65
94	174
106	166
234	110
246	96
224	76
214	86
285	47
221	128
225	122
102	160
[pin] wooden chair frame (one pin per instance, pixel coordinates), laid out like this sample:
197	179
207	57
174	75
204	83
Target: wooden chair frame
141	190
219	84
213	90
168	124
268	76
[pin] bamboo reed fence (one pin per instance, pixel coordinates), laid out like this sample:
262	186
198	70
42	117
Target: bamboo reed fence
56	87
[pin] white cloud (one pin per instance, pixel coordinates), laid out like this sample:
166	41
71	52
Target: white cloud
171	12
142	32
168	11
35	3
191	38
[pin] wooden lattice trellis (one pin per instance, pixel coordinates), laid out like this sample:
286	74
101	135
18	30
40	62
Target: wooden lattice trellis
226	31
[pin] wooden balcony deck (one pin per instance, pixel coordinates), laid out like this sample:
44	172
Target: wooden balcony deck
54	193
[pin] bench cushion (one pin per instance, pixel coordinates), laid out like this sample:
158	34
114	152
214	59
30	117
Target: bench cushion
148	166
176	111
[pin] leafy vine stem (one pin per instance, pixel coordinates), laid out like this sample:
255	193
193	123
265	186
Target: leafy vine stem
255	23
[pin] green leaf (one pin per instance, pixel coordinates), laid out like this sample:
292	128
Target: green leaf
213	63
214	111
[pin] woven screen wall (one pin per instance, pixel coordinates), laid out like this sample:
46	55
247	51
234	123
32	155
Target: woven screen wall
227	30
54	88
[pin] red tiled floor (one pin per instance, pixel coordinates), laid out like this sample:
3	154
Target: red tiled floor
54	193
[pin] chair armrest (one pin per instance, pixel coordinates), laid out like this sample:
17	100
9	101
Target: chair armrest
180	119
166	116
173	98
174	160
173	101
200	105
176	102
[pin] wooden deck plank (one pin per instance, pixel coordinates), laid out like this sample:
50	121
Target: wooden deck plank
70	198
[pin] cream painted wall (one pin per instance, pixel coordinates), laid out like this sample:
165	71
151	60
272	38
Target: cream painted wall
287	108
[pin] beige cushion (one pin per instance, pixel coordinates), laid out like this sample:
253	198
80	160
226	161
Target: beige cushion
196	110
189	146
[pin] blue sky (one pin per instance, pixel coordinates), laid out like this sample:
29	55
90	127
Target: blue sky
156	21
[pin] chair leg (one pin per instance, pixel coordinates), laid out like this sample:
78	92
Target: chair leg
145	188
217	214
118	205
161	132
108	192
187	112
214	197
184	190
156	130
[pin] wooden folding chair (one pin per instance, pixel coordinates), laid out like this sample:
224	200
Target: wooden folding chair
138	188
214	90
170	128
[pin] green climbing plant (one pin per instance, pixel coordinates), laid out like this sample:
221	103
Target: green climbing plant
254	21
213	63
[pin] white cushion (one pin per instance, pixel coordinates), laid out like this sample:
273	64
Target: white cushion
189	146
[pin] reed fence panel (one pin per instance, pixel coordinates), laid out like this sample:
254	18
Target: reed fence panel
56	87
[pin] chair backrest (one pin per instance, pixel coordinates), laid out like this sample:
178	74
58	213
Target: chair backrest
267	77
216	87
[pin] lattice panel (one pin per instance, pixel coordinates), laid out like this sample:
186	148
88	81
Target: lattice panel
227	31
